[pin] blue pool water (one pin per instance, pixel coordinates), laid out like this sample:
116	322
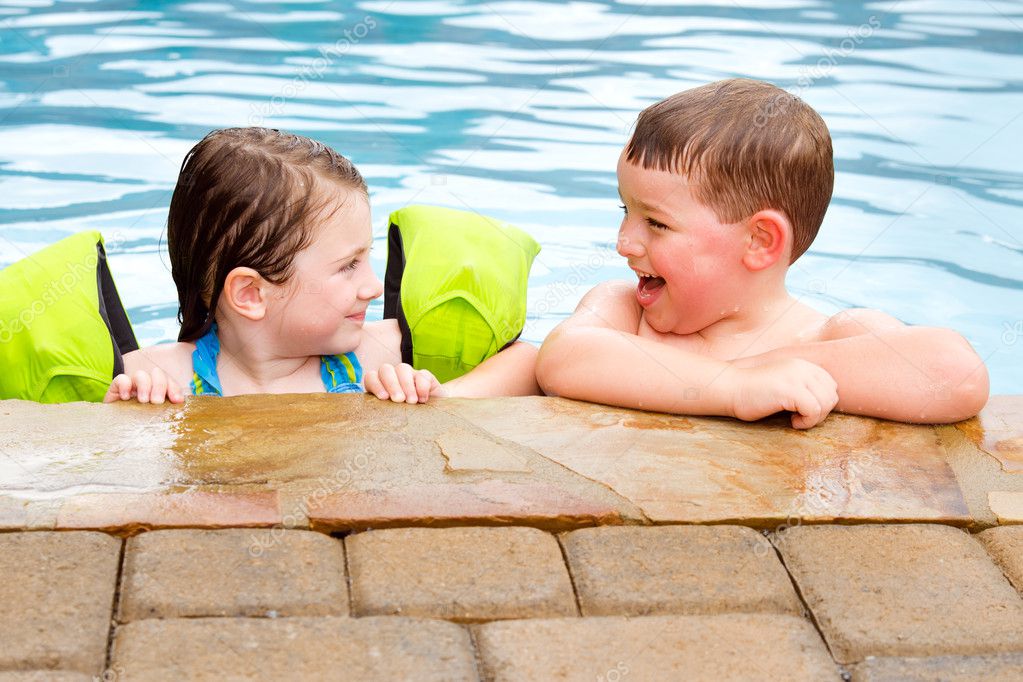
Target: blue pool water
518	109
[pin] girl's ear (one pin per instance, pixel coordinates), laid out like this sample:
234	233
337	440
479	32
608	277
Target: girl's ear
245	292
769	240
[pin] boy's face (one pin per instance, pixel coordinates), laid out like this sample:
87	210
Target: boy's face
688	263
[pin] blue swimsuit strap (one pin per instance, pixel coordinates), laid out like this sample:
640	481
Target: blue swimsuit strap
205	380
339	373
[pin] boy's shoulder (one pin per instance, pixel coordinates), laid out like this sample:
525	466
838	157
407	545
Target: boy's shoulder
610	304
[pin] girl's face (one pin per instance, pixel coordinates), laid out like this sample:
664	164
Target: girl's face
320	310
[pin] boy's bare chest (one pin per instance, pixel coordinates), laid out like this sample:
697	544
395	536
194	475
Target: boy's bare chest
793	332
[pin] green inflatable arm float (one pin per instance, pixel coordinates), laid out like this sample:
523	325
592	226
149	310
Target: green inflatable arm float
63	330
456	283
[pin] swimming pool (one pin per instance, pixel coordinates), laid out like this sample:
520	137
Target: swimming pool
518	109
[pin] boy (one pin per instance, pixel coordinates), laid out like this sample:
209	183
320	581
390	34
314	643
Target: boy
723	187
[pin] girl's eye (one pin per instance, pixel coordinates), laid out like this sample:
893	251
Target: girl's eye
350	267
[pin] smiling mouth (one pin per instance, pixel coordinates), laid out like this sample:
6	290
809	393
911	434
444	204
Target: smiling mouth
650	283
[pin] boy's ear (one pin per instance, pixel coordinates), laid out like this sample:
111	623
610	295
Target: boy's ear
769	240
245	292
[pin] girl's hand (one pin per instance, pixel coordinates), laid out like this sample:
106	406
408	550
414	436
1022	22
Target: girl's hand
402	384
147	387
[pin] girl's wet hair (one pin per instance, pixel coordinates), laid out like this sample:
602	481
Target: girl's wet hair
245	198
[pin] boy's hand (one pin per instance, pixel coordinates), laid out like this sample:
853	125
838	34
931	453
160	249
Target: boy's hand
402	384
147	387
797	386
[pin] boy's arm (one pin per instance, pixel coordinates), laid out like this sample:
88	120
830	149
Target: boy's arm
595	355
510	372
887	369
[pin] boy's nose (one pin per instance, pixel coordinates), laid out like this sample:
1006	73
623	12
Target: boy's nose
627	245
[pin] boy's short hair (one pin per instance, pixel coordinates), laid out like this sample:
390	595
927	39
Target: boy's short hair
747	145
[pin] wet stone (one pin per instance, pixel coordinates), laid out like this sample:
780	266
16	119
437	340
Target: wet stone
461	574
300	648
636	570
990	668
130	512
691	648
907	590
57	594
46	676
1005	545
237	572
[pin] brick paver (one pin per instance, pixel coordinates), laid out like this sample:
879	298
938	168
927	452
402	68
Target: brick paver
57	594
633	570
237	572
990	668
909	590
1005	545
300	648
463	574
691	648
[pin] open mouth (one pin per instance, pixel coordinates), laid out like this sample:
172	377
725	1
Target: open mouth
649	288
648	284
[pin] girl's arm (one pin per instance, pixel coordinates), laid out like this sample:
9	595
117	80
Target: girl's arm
510	372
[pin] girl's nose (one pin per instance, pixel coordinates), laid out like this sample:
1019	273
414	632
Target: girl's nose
371	288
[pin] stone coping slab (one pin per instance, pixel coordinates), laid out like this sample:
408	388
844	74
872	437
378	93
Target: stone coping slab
236	572
301	648
990	668
691	648
1005	545
344	463
57	593
461	574
908	590
629	570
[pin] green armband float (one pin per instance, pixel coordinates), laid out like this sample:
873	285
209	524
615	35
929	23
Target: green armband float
456	283
63	330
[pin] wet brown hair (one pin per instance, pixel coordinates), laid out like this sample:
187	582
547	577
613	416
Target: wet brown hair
245	198
747	146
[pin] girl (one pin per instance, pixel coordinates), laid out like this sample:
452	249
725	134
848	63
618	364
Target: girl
269	237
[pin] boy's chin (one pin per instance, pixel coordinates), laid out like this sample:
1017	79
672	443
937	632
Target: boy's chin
671	325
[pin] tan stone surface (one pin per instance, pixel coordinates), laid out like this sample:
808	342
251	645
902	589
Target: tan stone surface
46	676
690	648
131	512
998	430
977	472
484	503
679	469
299	648
990	668
57	594
632	570
909	590
462	574
181	573
1007	506
1005	545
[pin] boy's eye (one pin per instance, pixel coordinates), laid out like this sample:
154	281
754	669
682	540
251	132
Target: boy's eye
656	225
351	266
624	208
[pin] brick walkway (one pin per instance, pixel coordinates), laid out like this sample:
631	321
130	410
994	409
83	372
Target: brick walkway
573	553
